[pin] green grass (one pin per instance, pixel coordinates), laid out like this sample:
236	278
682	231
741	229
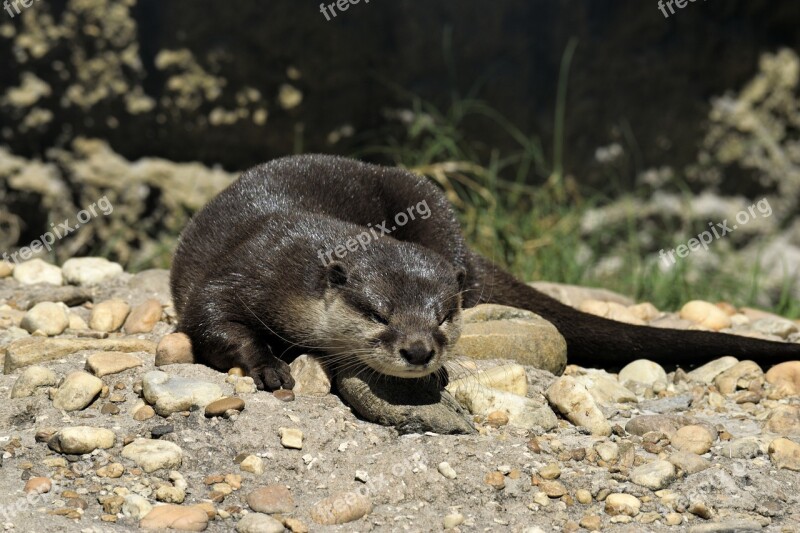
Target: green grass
519	209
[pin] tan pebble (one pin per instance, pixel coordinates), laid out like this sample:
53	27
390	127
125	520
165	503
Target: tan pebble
453	520
295	526
38	485
583	496
553	489
252	464
785	454
175	517
113	470
169	494
727	308
234	480
591	522
208	508
104	363
341	508
109	315
6	268
291	438
175	348
739	376
644	311
271	499
622	504
785	376
541	498
495	479
673	519
693	438
219	407
551	471
144	413
497	419
701	509
236	371
706	315
143	317
214	478
284	395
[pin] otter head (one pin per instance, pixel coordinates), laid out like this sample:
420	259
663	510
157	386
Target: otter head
397	310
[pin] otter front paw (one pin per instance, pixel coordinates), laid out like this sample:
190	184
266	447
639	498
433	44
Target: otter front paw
273	376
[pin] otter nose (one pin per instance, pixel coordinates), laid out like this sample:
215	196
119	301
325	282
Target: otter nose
417	354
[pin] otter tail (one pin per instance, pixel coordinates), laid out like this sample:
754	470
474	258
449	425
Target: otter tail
596	340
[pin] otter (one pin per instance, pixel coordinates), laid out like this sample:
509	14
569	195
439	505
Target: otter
367	265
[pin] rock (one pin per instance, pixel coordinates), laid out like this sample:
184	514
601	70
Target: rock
48	317
605	389
311	377
497	419
143	317
693	438
573	401
522	412
38	271
608	451
583	496
174	348
77	392
574	295
284	395
785	421
785	454
706	315
76	322
689	463
291	438
271	499
109	315
709	371
175	517
666	424
622	504
738	376
453	520
508	378
168	494
744	448
221	406
28	351
446	470
37	485
154	283
78	440
667	404
786	377
89	271
259	523
612	311
136	507
591	522
105	363
655	476
144	412
170	394
31	379
727	526
553	489
643	371
6	268
252	464
777	327
341	508
529	341
385	400
152	455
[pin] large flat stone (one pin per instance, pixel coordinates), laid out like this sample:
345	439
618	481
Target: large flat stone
33	350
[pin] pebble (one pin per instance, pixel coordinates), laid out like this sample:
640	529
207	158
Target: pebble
693	438
775	326
178	517
655	476
583	496
497	419
311	377
453	520
341	508
252	464
31	379
643	371
495	480
6	268
175	348
171	394
37	485
689	463
143	317
612	311
553	489
706	315
221	406
446	470
522	412
785	421
291	438
89	271
574	401
284	395
608	451
622	504
145	412
738	376
33	350
109	315
785	454
709	371
113	470
271	499
673	519
152	455
786	378
136	507
551	471
666	424
105	363
168	494
38	271
259	523
509	378
78	390
605	389
49	318
81	439
591	522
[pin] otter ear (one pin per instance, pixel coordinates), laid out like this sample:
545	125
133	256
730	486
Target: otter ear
461	278
336	274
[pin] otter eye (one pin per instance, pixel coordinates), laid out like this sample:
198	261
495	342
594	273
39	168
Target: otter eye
377	317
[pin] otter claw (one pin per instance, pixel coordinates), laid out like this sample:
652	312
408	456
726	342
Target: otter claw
271	378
